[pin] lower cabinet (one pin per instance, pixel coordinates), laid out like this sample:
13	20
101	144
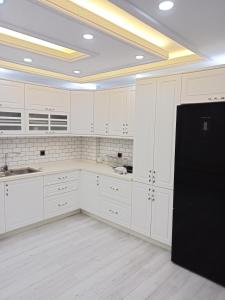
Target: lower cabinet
141	208
61	194
90	192
152	212
2	209
115	198
23	202
162	209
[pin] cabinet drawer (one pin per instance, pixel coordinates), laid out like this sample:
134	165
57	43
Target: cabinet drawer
61	188
61	177
120	214
57	205
116	189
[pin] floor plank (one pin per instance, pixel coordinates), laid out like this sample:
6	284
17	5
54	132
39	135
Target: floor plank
81	258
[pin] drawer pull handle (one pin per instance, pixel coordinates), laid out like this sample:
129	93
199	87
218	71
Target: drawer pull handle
114	189
113	211
62	188
63	204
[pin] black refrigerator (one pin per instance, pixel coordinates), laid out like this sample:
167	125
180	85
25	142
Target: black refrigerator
198	242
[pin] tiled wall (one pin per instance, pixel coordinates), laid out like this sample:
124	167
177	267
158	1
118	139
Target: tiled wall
25	151
28	149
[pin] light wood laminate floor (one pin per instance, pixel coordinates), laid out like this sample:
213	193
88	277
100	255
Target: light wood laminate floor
82	258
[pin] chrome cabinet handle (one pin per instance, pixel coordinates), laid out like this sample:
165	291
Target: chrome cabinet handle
113	211
63	204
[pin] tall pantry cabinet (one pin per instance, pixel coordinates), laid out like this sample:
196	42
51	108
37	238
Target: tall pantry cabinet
154	147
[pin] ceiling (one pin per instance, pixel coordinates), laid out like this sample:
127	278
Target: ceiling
189	37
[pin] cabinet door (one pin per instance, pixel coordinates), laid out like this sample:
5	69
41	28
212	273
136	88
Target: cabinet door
130	112
59	123
118	106
37	122
11	121
141	208
161	224
168	97
144	131
82	112
2	209
23	202
46	99
101	112
90	192
11	94
204	86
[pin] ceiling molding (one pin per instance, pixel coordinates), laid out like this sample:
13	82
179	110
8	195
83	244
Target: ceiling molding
26	42
106	75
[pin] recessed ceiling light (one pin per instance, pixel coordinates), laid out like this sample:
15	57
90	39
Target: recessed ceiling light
139	57
166	5
27	59
88	36
2	1
76	72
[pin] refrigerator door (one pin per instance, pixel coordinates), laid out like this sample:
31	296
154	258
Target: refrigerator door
198	242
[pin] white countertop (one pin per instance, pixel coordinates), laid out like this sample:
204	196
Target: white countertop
69	165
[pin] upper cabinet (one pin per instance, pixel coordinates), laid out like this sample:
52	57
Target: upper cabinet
204	86
46	99
101	112
155	124
168	97
114	112
82	112
145	106
121	112
2	209
11	94
11	121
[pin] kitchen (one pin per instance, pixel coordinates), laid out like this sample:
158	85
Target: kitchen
89	206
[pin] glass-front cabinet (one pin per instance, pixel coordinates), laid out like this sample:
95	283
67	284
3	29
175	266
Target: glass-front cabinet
11	121
47	123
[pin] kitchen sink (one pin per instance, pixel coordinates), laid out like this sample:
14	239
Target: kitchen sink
22	171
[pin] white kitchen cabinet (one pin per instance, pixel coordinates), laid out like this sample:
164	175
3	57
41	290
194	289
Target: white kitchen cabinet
162	208
141	208
130	112
145	107
46	99
155	124
204	86
101	112
168	97
115	212
23	202
82	112
115	198
11	121
2	209
60	204
90	192
61	193
38	122
116	189
118	106
122	112
11	94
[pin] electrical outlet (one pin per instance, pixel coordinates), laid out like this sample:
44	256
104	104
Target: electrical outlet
42	152
119	154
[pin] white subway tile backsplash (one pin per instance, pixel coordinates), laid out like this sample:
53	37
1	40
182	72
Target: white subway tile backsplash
26	150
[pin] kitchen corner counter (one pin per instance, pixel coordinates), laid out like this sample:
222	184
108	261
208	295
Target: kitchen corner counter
67	166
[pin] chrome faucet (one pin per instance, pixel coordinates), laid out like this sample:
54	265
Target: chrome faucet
5	168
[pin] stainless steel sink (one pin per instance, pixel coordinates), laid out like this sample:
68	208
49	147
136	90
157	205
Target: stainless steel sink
22	171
